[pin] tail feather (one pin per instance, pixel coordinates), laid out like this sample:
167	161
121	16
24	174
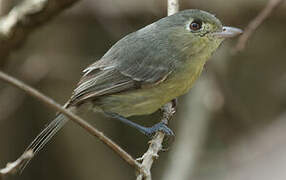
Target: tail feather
43	138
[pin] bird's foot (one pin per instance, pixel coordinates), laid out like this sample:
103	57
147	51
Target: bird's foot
162	127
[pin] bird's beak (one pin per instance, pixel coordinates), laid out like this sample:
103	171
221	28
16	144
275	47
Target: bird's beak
228	32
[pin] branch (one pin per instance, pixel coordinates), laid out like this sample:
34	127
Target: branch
173	7
46	100
15	26
168	112
256	22
13	167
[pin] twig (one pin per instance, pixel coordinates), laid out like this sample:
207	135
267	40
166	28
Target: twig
256	22
46	100
168	112
14	166
173	7
15	26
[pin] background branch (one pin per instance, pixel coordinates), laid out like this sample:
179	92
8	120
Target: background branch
256	22
18	23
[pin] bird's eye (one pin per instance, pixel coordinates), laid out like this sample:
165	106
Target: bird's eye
196	25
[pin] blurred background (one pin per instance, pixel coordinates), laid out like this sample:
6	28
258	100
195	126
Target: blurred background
232	125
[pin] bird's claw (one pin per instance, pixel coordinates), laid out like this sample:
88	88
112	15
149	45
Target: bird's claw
162	127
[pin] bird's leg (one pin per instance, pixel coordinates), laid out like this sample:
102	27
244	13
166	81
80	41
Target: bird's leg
148	131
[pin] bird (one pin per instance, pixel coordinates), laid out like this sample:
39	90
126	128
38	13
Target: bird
145	70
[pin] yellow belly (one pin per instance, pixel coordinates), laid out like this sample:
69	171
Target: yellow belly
149	99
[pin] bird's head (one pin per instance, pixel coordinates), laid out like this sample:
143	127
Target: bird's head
196	31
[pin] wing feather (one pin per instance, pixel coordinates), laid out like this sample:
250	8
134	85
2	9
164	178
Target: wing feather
99	83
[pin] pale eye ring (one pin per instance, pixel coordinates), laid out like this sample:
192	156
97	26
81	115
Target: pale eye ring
196	25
